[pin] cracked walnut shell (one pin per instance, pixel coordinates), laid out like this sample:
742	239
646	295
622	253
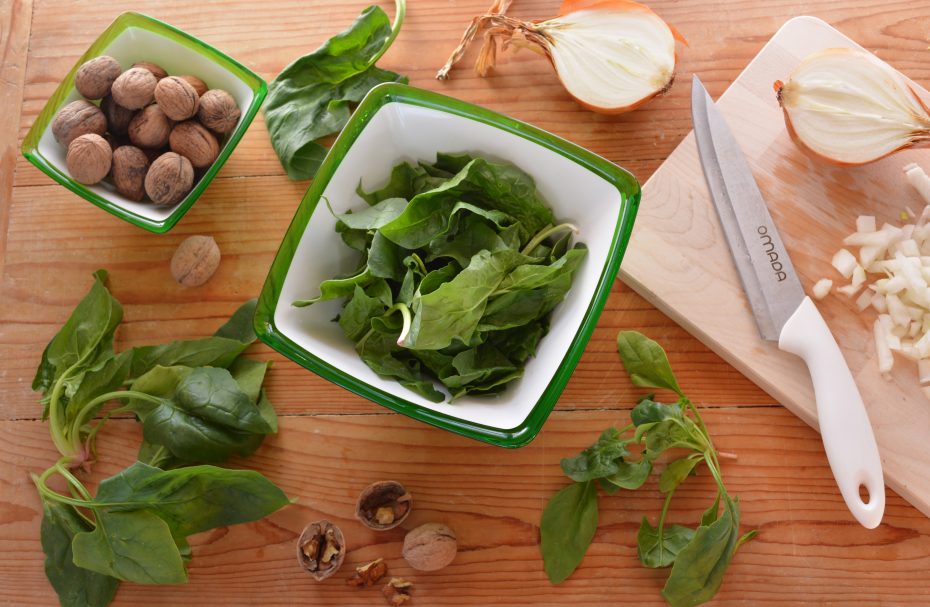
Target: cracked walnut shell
78	118
177	98
169	179
135	88
89	159
193	141
321	549
383	505
95	77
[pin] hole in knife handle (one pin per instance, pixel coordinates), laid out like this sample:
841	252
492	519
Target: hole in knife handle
864	494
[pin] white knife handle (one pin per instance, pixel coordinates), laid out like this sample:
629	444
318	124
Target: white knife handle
844	423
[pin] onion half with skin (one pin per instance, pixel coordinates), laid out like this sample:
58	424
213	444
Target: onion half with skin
610	55
847	107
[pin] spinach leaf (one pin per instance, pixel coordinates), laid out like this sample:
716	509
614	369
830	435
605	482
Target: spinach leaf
382	354
646	362
599	460
131	546
533	276
209	351
239	326
337	287
566	529
76	586
311	97
355	318
192	499
660	548
647	411
629	475
474	235
406	181
354	239
375	216
676	472
385	258
99	381
698	571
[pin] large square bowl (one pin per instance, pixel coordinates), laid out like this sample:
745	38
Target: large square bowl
131	38
396	123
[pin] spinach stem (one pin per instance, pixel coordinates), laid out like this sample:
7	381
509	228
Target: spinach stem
400	10
72	480
91	407
703	428
546	233
668	501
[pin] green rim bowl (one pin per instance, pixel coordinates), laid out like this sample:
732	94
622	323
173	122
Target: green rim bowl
396	123
133	37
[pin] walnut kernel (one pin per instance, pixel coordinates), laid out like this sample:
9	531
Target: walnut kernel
218	111
397	591
78	118
177	98
193	141
169	179
117	116
430	547
150	128
321	549
156	69
89	158
130	165
134	89
195	261
368	575
95	77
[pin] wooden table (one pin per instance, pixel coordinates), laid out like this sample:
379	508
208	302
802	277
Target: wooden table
332	443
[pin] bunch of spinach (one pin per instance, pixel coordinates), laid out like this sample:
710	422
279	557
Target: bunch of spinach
699	556
199	403
313	96
460	268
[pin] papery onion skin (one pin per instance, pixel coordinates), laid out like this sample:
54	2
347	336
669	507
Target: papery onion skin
907	113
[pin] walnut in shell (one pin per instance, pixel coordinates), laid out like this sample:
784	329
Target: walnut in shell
169	179
89	159
321	549
430	547
199	85
383	505
193	141
218	111
134	89
177	98
150	128
95	77
130	165
156	69
195	261
117	116
78	118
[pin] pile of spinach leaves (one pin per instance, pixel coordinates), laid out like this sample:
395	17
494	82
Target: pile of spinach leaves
460	268
199	402
314	96
698	556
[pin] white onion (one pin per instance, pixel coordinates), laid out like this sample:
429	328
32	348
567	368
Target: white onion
822	288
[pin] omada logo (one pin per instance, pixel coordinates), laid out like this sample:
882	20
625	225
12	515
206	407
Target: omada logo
769	247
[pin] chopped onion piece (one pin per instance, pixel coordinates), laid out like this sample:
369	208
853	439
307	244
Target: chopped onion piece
865	223
864	301
919	179
908	247
845	263
822	288
878	302
885	357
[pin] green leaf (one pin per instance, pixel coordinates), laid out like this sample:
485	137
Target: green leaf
382	354
376	216
676	472
600	460
97	382
355	318
240	327
209	351
311	97
646	362
710	515
385	258
567	528
699	569
661	550
337	287
192	499
131	546
76	587
629	475
746	537
249	375
266	410
648	411
474	234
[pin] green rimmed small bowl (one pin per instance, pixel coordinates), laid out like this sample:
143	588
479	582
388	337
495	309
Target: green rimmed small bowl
133	37
396	123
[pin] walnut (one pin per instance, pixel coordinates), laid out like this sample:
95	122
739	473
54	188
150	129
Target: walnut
430	547
177	98
156	69
199	85
193	141
89	158
368	575
150	128
218	111
321	549
169	179
134	89
397	591
95	77
383	505
195	261
78	118
117	116
130	165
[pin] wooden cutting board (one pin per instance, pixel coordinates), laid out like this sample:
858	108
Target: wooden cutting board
679	260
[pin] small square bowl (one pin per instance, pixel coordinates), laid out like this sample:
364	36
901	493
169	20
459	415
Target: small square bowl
396	123
130	38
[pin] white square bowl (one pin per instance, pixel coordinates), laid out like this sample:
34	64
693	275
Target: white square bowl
397	123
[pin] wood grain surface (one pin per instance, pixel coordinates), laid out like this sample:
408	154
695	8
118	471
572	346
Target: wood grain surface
332	443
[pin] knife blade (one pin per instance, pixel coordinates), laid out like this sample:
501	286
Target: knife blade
784	313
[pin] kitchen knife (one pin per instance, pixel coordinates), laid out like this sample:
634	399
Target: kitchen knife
785	314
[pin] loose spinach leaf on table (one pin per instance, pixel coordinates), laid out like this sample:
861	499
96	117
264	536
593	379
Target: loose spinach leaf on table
567	528
660	547
313	96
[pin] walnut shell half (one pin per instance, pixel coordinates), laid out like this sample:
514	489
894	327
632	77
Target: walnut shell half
383	505
321	549
169	179
78	118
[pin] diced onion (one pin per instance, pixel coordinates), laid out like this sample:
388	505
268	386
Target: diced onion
845	262
822	288
865	223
